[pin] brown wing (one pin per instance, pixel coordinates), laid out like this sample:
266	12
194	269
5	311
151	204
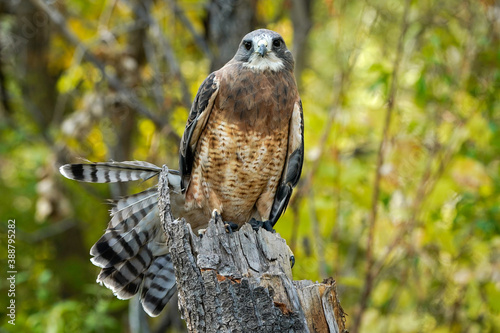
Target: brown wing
293	165
198	116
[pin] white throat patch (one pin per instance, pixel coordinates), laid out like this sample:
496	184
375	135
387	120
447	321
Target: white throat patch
269	61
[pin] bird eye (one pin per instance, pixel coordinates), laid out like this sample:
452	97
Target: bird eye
247	44
277	43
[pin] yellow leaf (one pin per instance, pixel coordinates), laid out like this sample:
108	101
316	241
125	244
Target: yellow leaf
469	173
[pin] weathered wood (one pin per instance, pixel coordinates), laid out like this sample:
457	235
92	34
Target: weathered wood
242	281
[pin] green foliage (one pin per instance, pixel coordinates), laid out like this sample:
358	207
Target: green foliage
437	233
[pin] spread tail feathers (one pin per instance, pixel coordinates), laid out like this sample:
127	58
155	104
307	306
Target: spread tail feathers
132	253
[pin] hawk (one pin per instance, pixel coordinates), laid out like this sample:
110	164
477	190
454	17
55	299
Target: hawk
240	156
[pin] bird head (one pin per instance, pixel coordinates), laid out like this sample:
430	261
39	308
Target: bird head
264	49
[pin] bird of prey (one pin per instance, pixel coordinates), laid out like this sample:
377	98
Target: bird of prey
240	156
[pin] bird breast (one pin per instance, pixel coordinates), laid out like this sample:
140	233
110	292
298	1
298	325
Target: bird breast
235	167
242	151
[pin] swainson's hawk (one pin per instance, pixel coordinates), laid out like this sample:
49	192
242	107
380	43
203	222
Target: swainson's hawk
241	155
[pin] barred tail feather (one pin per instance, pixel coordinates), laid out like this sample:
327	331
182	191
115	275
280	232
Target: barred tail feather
115	246
131	200
159	285
129	216
125	278
110	172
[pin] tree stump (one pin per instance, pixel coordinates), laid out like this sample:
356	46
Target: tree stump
242	281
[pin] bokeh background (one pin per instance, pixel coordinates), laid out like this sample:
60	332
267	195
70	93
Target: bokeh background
399	196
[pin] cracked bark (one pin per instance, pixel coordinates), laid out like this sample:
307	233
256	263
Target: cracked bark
242	281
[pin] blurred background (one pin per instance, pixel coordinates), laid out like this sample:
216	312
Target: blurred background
399	196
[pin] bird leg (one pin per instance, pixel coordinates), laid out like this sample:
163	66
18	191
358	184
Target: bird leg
256	225
230	226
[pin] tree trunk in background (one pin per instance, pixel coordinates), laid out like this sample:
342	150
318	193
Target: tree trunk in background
228	21
242	281
31	49
302	23
5	107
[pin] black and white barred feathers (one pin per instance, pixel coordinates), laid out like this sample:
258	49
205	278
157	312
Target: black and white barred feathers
132	252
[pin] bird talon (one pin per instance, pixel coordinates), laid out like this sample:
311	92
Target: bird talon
230	227
292	261
256	225
268	226
201	232
216	215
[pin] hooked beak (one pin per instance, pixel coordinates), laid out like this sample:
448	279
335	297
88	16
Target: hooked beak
262	48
